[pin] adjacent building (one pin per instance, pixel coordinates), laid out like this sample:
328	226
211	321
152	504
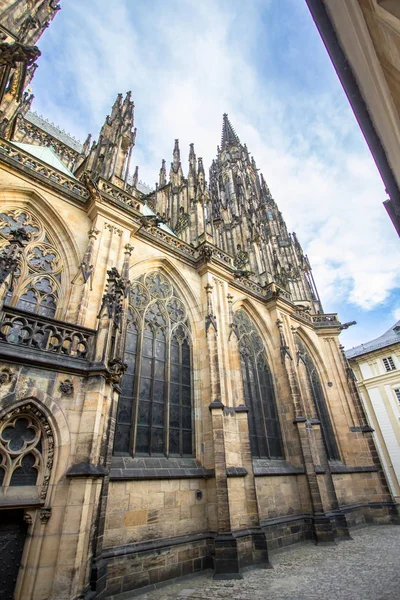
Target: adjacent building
172	395
363	41
376	369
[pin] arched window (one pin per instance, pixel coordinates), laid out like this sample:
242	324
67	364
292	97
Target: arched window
155	408
259	395
37	280
319	402
26	450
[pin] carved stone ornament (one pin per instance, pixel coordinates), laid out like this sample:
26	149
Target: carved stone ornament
12	54
66	387
45	515
243	273
112	299
11	254
117	368
6	376
28	518
206	252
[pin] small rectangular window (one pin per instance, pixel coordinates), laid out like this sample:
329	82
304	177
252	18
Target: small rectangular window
397	393
389	364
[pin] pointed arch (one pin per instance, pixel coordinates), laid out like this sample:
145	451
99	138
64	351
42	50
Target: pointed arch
258	319
306	357
259	393
39	401
171	270
49	258
155	407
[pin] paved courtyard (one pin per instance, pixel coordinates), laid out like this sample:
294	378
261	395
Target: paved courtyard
366	568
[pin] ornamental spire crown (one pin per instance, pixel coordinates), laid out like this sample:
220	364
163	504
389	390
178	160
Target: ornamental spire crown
229	135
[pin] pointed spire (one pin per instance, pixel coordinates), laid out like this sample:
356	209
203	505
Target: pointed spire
116	106
177	157
162	180
192	161
86	145
135	177
200	166
229	136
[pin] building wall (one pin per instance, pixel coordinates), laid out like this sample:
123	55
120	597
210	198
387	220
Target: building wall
377	389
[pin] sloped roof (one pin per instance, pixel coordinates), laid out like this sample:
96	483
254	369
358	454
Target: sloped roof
47	155
391	336
147	212
54	131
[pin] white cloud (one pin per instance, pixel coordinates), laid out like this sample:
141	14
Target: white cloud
187	63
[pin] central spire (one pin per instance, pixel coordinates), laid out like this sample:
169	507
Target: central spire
229	136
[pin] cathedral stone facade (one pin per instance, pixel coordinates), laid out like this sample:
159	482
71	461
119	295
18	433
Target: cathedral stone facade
172	395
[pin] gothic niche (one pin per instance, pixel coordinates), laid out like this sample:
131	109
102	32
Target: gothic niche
36	285
26	450
155	407
258	388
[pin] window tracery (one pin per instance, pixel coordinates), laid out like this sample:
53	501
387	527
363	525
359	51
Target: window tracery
155	407
26	450
36	285
259	394
318	398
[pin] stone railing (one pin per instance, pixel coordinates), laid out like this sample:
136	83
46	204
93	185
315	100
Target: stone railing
169	239
303	314
320	320
41	333
118	194
325	320
273	290
41	168
248	284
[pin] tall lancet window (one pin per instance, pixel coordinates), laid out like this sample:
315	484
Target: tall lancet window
155	408
319	402
259	395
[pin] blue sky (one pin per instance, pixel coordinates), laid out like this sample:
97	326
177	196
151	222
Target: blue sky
187	62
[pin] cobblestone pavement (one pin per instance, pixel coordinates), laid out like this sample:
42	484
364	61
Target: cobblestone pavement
365	568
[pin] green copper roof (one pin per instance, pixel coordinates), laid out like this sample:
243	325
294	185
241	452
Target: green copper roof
47	155
147	212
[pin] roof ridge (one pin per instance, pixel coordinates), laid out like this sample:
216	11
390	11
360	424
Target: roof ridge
43	118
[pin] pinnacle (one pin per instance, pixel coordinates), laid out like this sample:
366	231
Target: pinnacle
229	135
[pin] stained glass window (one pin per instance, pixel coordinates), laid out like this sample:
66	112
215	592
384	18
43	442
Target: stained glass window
259	394
320	403
155	408
36	281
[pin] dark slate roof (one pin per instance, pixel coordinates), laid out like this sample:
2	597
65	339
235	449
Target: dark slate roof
54	131
391	336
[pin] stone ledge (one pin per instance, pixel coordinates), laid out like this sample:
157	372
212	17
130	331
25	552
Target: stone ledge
236	472
341	468
157	468
158	544
86	470
263	466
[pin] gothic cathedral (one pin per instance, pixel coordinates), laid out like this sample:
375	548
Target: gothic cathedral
172	395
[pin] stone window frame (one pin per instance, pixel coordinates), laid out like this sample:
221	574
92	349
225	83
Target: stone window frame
159	309
318	398
42	446
33	275
253	357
